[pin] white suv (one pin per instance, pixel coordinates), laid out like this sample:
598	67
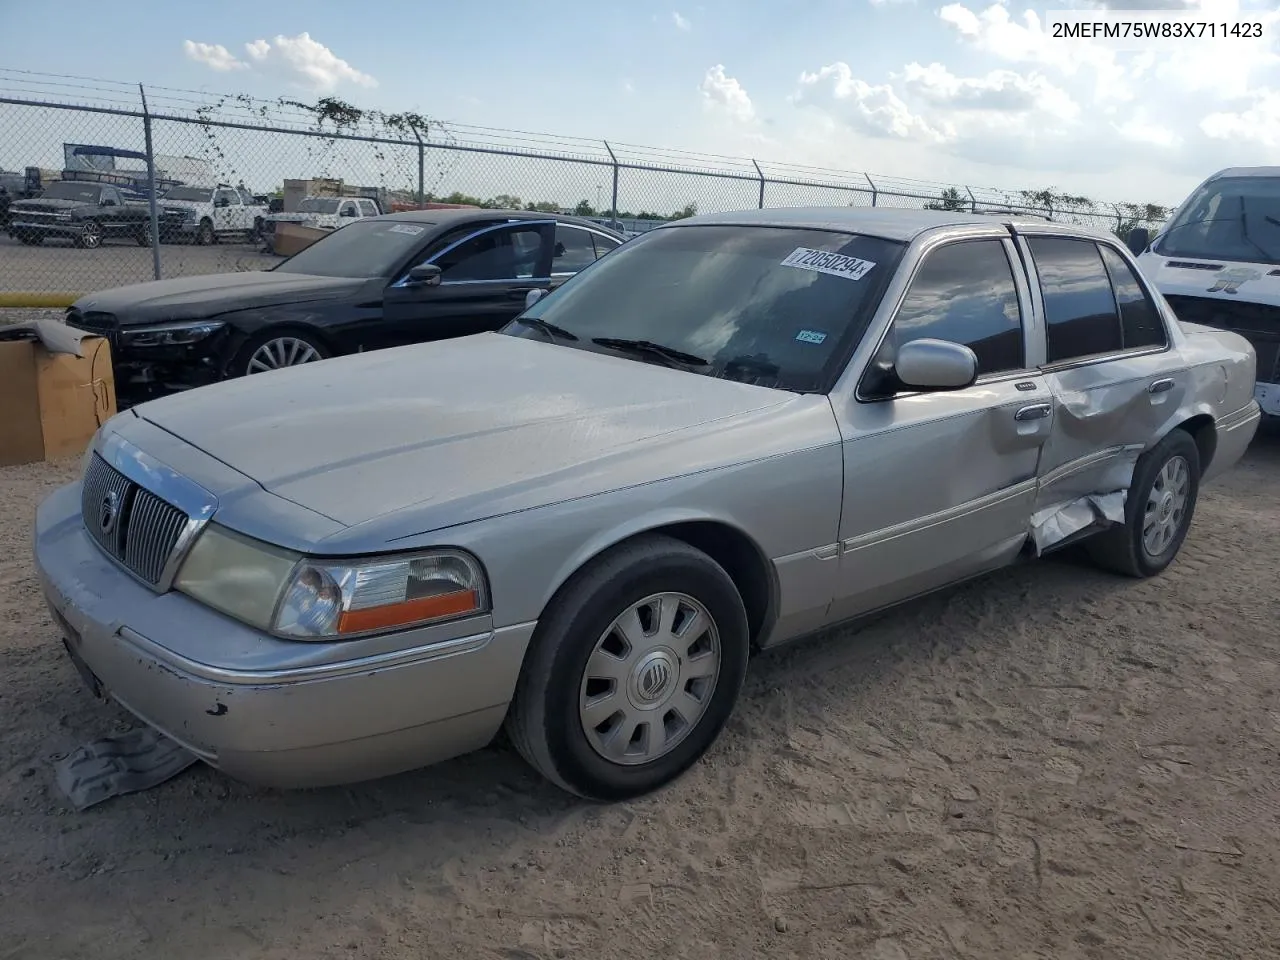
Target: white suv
324	213
209	214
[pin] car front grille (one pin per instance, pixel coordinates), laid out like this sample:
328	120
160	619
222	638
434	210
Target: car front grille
1256	322
129	522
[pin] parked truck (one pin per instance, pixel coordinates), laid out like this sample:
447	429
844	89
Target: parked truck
207	214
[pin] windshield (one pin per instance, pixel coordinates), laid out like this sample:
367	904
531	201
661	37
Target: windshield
366	248
1232	218
193	194
70	190
765	305
318	205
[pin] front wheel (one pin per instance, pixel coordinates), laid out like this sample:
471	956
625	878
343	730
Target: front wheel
90	237
1157	510
633	671
274	350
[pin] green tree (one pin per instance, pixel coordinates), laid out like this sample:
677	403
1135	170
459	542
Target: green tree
1132	215
584	209
949	199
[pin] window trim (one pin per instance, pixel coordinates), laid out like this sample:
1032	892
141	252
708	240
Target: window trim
1137	275
576	226
1025	315
403	271
1033	275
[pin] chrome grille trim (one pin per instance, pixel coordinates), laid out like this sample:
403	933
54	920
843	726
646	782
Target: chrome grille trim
132	524
161	512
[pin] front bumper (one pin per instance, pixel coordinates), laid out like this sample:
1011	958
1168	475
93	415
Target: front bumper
69	229
264	710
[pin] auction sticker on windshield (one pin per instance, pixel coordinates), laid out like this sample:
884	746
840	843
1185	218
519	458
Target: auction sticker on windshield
406	228
835	264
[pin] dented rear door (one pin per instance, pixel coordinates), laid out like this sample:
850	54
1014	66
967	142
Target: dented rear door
1108	363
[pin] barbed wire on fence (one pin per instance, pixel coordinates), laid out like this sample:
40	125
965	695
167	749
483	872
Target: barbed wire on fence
83	128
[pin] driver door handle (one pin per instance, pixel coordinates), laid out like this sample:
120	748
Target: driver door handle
1037	411
1160	386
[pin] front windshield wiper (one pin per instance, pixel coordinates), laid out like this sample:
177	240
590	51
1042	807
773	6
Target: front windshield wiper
1244	232
1159	244
550	329
648	348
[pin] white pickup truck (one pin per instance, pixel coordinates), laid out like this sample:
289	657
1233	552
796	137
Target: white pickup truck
210	214
323	213
1217	262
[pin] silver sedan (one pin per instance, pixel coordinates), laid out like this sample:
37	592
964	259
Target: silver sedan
733	431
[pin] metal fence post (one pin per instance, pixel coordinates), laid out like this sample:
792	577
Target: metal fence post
759	174
151	185
875	194
973	202
1119	219
422	164
613	212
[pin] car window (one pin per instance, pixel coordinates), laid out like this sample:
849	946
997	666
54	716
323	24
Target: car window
227	195
1080	308
771	306
1140	323
574	250
504	254
245	197
604	244
348	209
110	197
367	209
964	293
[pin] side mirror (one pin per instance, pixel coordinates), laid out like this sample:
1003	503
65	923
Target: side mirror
935	365
427	274
533	296
1138	240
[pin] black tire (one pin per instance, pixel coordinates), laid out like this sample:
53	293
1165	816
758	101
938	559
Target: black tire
1121	549
30	239
255	235
239	365
204	233
543	721
143	236
90	236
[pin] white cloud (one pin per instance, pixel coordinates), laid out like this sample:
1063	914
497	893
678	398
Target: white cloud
213	55
301	60
1059	111
307	62
875	110
726	94
681	22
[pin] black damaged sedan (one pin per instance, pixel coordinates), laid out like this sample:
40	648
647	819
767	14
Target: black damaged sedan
378	282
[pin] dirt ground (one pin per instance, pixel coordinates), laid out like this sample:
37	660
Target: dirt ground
1050	762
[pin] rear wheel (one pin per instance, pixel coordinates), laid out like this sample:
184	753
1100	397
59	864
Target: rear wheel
30	239
633	671
143	236
276	349
204	233
1158	510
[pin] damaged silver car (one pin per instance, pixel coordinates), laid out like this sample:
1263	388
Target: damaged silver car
732	432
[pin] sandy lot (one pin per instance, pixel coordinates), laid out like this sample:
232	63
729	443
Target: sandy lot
59	267
1050	762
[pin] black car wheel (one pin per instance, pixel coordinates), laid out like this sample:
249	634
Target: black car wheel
90	237
143	236
255	235
276	349
633	671
204	233
30	239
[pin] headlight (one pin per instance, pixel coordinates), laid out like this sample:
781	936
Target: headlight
303	598
170	334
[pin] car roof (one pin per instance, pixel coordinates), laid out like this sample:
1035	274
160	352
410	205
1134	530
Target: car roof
446	218
1247	172
889	223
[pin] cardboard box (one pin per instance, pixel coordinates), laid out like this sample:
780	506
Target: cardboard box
288	238
52	403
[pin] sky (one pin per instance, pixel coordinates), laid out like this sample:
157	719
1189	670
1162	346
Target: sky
971	92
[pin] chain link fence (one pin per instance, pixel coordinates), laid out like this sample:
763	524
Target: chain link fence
138	185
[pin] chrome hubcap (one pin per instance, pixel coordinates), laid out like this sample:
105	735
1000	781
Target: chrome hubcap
649	678
1166	506
91	235
282	352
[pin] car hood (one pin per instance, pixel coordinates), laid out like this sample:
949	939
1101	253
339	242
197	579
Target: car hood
1212	279
51	205
193	298
438	434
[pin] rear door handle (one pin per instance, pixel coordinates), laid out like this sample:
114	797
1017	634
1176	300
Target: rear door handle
1037	411
1160	386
